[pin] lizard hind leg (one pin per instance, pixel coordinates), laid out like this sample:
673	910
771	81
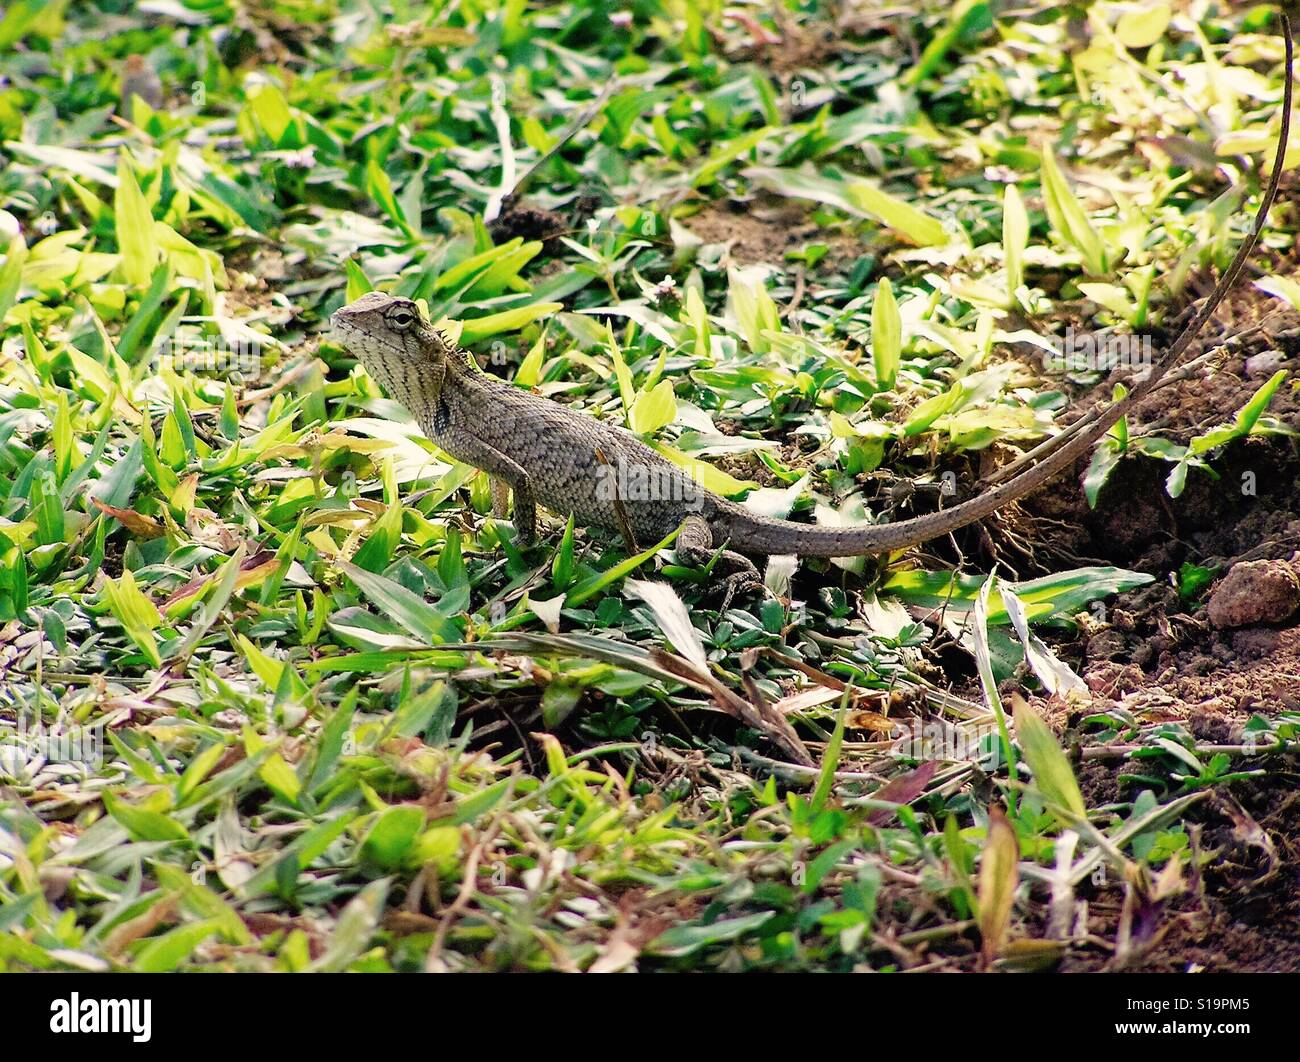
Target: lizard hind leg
695	546
695	541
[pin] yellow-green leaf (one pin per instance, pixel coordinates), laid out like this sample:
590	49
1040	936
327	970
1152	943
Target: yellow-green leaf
506	321
902	218
136	237
530	369
165	953
1141	28
654	408
1047	761
706	475
271	110
999	874
1067	217
137	614
390	838
142	823
886	334
11	274
274	772
1015	237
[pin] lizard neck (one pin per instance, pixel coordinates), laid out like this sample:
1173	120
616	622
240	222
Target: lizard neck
424	385
404	381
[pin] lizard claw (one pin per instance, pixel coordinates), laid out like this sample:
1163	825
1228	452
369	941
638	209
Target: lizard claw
743	583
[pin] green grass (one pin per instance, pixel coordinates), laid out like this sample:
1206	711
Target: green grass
333	717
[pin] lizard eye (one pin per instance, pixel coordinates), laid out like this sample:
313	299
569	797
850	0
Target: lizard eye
401	319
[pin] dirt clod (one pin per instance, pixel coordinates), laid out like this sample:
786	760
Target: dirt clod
1255	592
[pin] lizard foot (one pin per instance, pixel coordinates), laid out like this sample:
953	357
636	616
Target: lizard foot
745	582
695	546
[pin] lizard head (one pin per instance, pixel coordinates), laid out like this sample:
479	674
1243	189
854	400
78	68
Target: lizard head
387	332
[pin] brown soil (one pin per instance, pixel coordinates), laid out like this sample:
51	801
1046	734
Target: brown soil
1240	912
765	228
1156	650
1157	655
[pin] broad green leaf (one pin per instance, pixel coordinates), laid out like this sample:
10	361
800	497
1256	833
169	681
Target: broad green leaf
409	609
143	824
391	836
685	939
271	110
559	699
380	188
358	283
1142	27
1103	462
165	953
654	408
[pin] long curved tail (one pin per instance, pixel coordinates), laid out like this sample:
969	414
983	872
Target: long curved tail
757	534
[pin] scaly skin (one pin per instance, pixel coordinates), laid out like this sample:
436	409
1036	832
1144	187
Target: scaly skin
571	463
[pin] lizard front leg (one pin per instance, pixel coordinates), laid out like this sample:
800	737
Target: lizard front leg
504	473
500	497
695	546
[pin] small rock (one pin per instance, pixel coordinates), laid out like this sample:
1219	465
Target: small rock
1265	363
1253	592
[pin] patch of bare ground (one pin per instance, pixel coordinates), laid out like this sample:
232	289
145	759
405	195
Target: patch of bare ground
1157	649
763	229
1164	657
1239	909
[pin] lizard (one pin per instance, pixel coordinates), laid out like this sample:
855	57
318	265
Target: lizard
571	463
